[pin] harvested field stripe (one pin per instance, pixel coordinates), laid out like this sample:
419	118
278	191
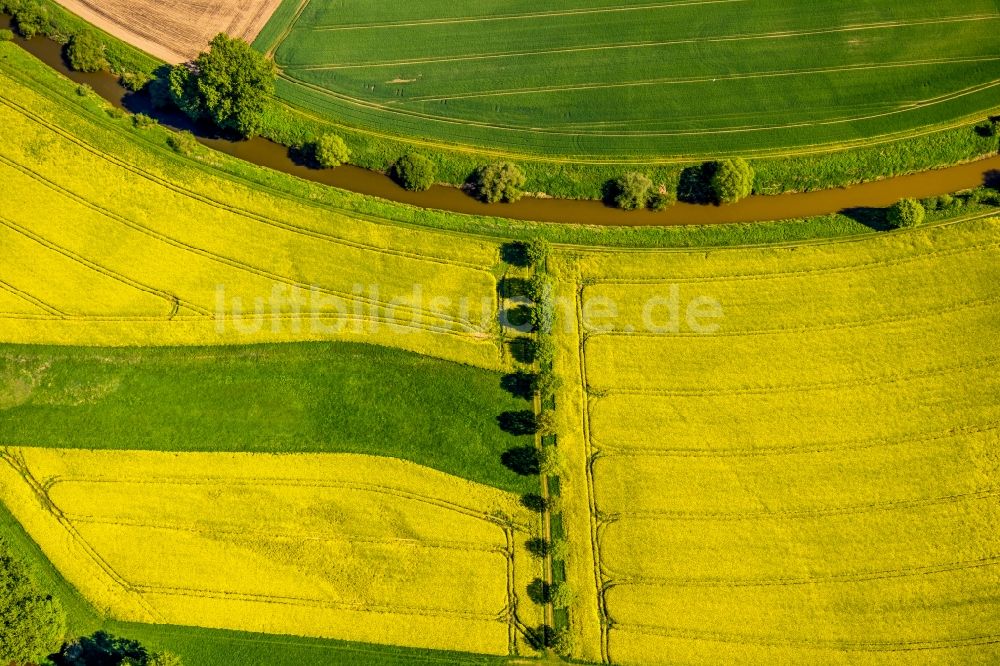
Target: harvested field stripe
638	45
512	17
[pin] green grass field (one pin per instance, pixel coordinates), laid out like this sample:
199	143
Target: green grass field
587	79
295	398
815	481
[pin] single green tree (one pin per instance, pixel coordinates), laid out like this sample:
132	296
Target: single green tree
414	172
905	213
164	659
6	35
502	181
330	151
633	191
537	252
85	52
733	180
231	84
32	623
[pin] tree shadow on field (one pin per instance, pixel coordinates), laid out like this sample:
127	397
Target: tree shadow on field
519	384
515	253
523	349
515	287
873	218
101	649
522	460
534	501
695	185
518	423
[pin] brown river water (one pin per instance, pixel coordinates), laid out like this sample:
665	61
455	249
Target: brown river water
565	211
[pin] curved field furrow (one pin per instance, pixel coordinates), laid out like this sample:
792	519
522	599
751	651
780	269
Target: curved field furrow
325	551
813	478
601	82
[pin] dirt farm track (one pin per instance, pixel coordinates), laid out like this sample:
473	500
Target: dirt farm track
174	31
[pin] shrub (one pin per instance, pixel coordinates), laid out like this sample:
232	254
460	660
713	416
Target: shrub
546	425
733	180
546	384
987	128
83	90
135	81
550	461
330	151
164	659
945	201
562	596
85	52
559	549
142	121
6	35
182	142
545	349
905	213
537	252
32	623
30	19
662	200
633	191
117	114
502	181
414	172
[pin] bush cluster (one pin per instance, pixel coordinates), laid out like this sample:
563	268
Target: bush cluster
905	213
501	181
182	142
6	35
635	191
85	52
414	172
733	180
330	151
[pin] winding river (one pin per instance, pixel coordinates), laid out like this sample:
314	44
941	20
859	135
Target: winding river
565	211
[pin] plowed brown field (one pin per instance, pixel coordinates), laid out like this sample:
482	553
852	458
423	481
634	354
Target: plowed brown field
177	30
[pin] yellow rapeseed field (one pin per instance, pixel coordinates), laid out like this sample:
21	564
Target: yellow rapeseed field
132	246
808	471
327	545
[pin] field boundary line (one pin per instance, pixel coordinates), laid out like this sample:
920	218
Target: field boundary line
934	371
441	544
600	580
575	87
846	578
611	451
28	298
286	29
373	488
652	44
840	646
240	265
796	273
849	510
831	326
451	120
40	490
172	300
240	212
510	17
375	609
